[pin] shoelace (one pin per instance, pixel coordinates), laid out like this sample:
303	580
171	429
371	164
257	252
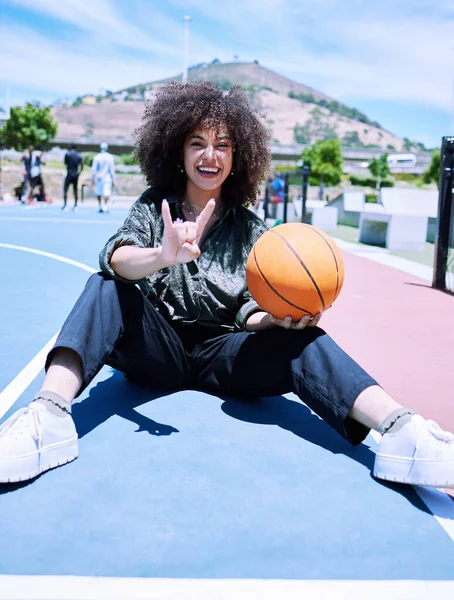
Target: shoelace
437	431
24	418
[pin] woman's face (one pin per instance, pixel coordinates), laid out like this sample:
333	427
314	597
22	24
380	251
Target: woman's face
208	157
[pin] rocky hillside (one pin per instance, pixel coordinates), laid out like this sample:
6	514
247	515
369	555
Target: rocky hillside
294	112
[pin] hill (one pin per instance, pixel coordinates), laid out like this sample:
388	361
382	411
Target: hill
293	111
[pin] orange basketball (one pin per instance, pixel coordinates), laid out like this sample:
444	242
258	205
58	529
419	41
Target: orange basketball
295	270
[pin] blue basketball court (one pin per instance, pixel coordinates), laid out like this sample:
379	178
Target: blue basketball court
189	495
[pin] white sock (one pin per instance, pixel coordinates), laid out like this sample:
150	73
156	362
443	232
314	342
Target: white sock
395	421
54	403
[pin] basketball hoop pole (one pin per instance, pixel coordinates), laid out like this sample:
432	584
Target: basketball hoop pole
306	172
445	202
286	177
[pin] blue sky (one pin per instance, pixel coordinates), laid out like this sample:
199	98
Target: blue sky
392	59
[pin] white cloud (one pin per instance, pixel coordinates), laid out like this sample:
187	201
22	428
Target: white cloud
102	20
68	70
396	51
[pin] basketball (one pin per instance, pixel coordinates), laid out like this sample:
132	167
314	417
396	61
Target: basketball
295	270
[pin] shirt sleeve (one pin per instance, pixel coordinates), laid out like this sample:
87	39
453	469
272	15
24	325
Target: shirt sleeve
137	230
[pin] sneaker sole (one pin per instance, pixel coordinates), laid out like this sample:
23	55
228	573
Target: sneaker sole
29	467
430	474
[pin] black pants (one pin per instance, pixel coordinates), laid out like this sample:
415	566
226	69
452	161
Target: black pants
113	323
37	182
70	180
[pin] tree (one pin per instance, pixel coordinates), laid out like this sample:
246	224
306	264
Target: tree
325	161
379	168
433	172
351	138
28	126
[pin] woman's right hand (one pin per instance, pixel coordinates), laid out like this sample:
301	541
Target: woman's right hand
181	240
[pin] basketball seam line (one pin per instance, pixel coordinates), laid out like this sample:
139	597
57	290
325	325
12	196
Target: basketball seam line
320	295
334	256
274	290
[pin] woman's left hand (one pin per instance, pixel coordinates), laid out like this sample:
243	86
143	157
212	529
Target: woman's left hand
287	323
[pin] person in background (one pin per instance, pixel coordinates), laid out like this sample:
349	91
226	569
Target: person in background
38	158
277	194
74	166
26	159
103	176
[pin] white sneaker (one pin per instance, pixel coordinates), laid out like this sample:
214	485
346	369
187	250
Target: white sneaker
34	440
419	453
64	209
75	209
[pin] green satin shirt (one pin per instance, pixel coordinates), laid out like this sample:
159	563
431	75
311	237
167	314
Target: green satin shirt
210	291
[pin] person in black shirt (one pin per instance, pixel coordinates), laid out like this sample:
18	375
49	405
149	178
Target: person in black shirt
26	167
74	166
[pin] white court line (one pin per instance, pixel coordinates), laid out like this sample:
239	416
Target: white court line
21	382
14	587
69	261
32	207
439	503
100	221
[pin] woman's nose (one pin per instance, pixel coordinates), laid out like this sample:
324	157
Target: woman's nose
209	151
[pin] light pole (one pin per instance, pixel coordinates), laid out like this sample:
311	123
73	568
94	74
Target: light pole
305	172
186	20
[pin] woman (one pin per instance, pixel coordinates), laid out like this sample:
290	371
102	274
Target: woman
193	322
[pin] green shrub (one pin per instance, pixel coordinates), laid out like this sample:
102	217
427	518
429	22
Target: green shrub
410	177
87	158
128	159
371	198
369	181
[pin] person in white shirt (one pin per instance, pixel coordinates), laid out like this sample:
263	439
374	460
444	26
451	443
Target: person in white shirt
103	176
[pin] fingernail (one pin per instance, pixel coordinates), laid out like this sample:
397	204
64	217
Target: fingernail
288	319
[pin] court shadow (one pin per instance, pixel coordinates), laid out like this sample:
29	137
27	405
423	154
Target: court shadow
118	396
298	419
430	287
113	396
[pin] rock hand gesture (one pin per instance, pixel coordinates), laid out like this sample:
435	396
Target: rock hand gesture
181	239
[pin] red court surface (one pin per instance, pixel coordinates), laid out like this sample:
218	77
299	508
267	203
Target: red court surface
401	331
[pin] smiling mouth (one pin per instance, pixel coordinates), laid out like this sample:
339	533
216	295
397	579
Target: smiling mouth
208	171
